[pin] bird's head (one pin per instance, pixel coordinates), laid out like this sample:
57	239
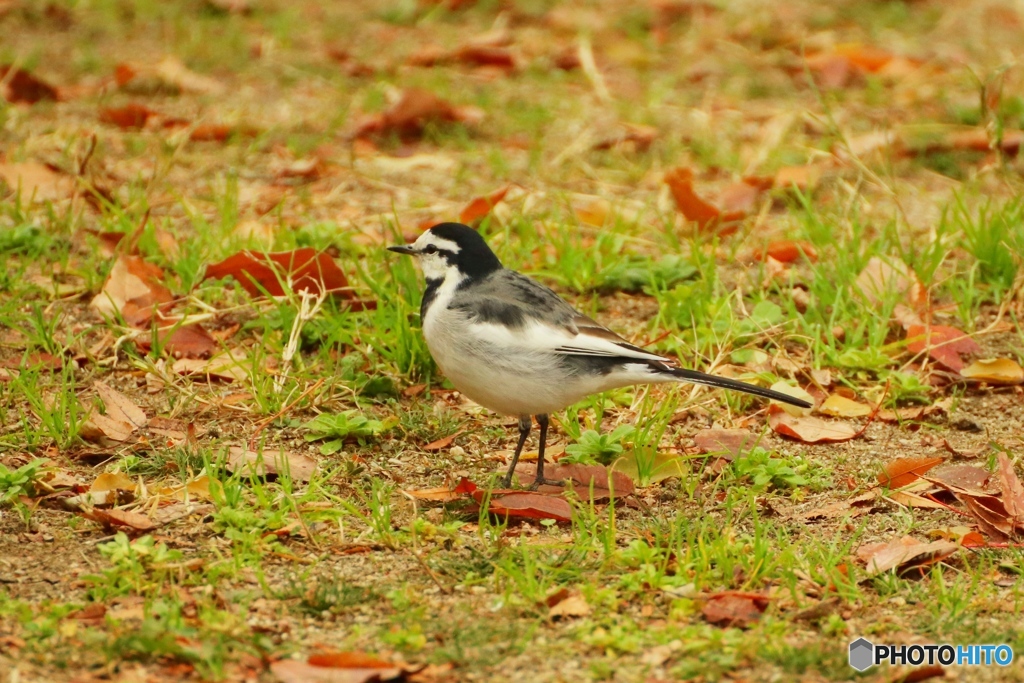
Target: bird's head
451	249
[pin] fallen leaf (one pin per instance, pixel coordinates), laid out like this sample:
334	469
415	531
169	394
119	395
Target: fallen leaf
486	55
1013	490
269	273
990	514
858	505
943	343
132	116
796	392
633	138
645	470
136	282
121	518
441	444
788	251
573	605
967	479
112	481
840	406
531	506
480	207
739	197
190	340
705	215
414	110
168	76
119	406
300	468
883	279
904	555
811	429
1003	371
800	177
730	610
21	86
604	482
37	182
335	668
903	471
731	442
229	366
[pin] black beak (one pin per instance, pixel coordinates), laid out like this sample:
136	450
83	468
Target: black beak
403	249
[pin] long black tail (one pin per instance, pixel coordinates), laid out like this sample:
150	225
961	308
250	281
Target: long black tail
726	383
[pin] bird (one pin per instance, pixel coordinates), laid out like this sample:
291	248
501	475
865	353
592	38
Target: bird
516	347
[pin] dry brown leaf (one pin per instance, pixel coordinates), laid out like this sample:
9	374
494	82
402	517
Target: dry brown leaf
342	667
967	479
1013	490
136	282
119	406
811	429
37	182
442	443
573	605
943	343
21	86
229	366
733	610
1003	371
882	279
904	555
854	507
633	138
121	518
990	514
299	467
172	72
604	482
840	406
731	442
801	177
414	110
903	471
531	506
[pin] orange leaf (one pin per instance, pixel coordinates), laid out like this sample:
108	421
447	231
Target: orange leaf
903	471
348	660
481	206
136	282
788	251
412	112
705	215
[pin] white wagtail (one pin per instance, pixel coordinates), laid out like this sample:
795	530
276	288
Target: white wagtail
514	346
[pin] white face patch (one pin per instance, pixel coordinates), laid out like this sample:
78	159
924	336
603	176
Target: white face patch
435	266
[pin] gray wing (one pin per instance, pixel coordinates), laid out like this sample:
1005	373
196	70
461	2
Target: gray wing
508	298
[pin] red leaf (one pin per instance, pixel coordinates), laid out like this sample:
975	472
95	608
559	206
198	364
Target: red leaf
21	86
944	344
465	486
728	441
481	206
532	506
302	269
731	610
130	116
483	55
705	215
441	444
348	660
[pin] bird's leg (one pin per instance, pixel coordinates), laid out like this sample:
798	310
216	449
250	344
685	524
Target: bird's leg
524	431
542	420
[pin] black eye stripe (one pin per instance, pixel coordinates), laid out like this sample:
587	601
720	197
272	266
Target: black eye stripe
430	249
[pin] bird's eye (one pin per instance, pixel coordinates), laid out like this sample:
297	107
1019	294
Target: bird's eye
430	249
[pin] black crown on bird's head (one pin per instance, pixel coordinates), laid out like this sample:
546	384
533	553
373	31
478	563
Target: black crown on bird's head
473	257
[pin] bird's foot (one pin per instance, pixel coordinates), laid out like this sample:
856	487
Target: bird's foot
544	481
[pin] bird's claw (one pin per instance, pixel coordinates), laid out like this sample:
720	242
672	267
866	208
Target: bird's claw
537	483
